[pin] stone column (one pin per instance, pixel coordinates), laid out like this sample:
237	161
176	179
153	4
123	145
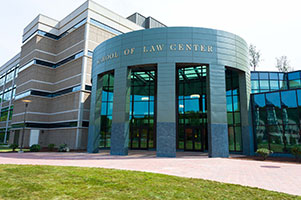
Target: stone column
166	110
94	122
121	107
217	112
246	113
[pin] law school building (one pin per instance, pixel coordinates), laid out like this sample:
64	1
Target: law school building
97	80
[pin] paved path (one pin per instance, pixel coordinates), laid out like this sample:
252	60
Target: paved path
282	177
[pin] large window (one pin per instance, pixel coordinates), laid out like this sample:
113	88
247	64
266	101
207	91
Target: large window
192	107
272	81
142	109
233	111
107	82
277	120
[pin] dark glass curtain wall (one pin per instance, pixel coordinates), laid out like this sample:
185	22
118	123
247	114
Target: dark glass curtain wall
276	118
233	111
192	108
142	109
107	82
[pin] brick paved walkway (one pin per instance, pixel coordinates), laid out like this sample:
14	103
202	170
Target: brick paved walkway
282	177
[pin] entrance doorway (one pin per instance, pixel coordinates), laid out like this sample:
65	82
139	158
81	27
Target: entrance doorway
192	107
195	139
143	108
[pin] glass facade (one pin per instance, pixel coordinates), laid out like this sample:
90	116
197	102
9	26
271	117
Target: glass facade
143	109
272	81
276	119
233	111
268	81
7	95
107	85
192	108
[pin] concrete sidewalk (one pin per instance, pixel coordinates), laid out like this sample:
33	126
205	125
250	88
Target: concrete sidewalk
281	177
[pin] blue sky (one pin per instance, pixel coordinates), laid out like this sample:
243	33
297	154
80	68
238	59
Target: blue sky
273	26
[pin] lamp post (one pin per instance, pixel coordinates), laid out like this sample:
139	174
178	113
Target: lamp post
26	102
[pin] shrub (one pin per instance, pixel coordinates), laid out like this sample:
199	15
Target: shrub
51	147
13	146
35	148
264	153
296	151
64	148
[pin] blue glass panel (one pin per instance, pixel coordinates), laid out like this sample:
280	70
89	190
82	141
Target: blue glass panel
229	104
236	105
293	75
289	99
283	85
264	85
191	106
295	84
255	85
110	96
104	96
141	108
274	75
254	75
281	76
274	85
273	99
103	108
259	100
263	75
110	108
235	91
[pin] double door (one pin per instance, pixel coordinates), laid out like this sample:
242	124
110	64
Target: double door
141	137
195	138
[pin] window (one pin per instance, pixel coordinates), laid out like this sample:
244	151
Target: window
104	26
277	122
233	111
142	109
105	91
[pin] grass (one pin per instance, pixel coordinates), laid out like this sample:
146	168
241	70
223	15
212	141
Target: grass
49	182
5	148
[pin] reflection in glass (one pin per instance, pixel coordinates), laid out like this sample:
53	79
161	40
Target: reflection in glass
142	109
106	84
233	111
192	109
277	123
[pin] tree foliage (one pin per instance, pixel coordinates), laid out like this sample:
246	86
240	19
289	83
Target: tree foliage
254	56
283	64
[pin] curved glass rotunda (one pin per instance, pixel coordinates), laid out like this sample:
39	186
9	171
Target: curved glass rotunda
171	89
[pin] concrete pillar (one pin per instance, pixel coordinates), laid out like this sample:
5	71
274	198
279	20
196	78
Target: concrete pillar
217	112
94	123
166	110
246	113
121	107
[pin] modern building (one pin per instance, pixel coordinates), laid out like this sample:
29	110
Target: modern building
148	87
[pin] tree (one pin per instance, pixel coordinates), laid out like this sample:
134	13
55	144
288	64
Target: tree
283	64
254	56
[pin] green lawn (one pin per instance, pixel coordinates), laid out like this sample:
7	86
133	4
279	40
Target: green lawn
47	182
7	149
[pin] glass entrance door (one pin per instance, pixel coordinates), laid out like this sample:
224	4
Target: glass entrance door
192	107
142	109
195	139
